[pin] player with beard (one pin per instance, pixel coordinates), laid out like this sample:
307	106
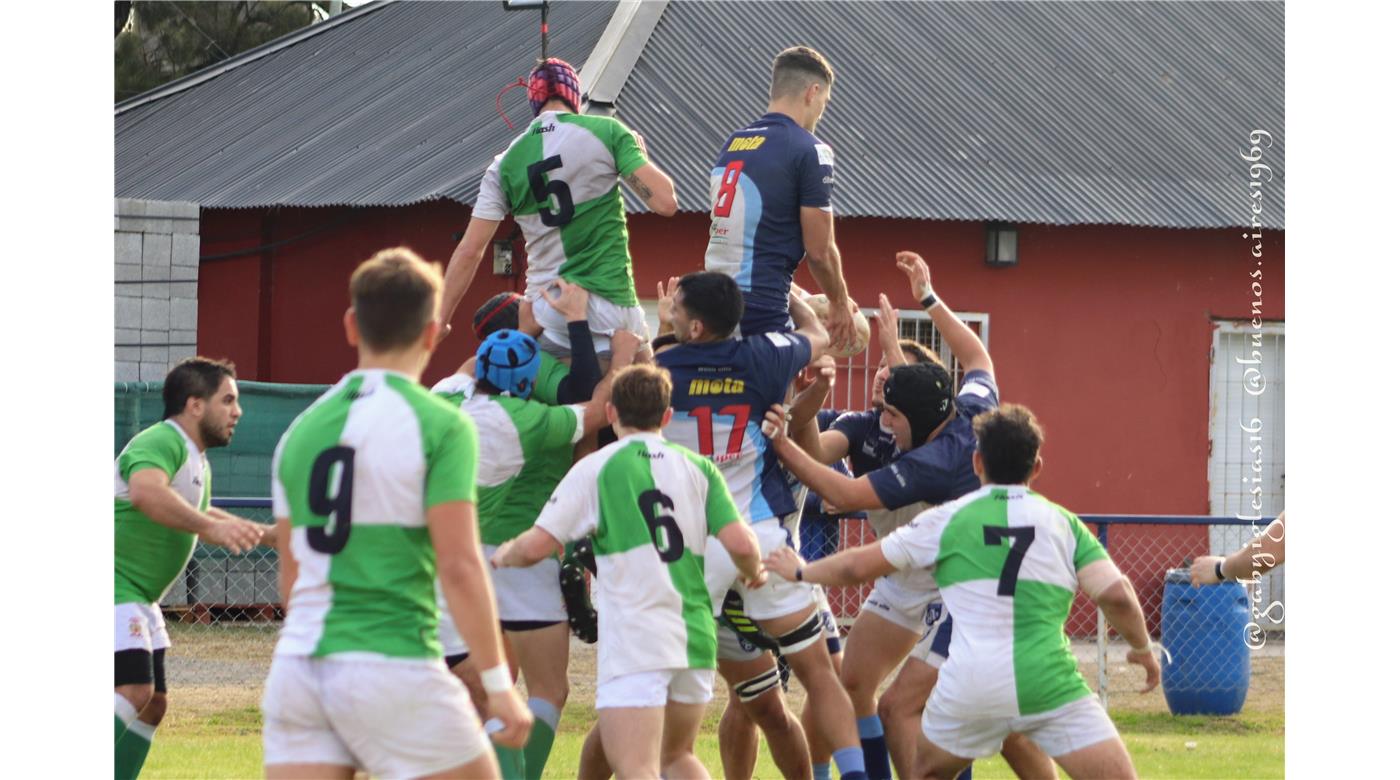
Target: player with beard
163	485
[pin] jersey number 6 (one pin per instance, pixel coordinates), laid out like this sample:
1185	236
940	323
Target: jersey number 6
662	525
335	508
543	187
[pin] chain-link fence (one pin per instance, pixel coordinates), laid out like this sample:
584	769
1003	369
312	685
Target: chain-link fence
1146	548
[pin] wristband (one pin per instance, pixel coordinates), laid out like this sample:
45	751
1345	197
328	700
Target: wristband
1220	570
929	300
798	574
497	679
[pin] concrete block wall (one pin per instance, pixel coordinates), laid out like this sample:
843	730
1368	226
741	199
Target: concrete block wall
156	281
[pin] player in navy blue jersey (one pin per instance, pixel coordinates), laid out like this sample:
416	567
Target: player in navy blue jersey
933	433
770	196
722	387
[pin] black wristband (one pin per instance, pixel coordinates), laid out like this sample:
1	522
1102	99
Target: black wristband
929	301
798	575
1220	570
665	340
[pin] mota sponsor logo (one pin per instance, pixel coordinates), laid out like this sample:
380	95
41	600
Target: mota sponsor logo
746	144
720	386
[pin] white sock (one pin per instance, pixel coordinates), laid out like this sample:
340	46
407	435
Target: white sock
125	710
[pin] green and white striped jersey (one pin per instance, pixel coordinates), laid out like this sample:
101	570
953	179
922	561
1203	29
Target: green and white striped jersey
650	505
532	448
1007	562
559	179
355	474
149	556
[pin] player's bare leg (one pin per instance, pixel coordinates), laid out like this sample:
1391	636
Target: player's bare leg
835	718
632	740
1027	760
787	742
483	767
874	648
821	751
682	726
1108	758
901	708
543	654
934	763
592	761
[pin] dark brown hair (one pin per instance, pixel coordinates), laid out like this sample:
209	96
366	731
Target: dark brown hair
641	394
395	295
1009	439
921	353
795	69
196	377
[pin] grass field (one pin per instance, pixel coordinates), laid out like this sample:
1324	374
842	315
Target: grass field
212	728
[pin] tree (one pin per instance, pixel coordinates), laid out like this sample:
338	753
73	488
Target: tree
167	40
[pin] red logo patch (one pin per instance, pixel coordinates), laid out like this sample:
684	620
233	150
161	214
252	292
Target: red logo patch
138	629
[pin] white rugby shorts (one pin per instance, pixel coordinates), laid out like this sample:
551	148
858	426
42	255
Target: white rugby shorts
903	600
604	318
1065	729
655	688
777	598
140	627
351	712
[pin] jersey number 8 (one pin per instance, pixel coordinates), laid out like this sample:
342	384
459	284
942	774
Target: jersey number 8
543	187
665	533
335	508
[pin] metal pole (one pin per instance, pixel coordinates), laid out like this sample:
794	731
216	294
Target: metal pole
1103	634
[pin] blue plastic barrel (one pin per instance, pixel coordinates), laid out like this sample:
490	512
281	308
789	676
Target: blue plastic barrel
1204	630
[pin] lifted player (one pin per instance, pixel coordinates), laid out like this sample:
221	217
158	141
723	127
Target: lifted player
650	505
559	180
163	484
770	196
374	491
1008	562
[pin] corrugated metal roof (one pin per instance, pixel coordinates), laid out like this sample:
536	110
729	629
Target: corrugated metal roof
392	104
1059	113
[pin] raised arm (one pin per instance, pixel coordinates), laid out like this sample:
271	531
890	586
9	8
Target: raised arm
969	350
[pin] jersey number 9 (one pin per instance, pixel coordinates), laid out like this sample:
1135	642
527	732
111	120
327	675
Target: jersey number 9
665	534
335	508
543	187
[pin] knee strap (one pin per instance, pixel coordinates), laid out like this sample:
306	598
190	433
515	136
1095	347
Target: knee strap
758	685
804	636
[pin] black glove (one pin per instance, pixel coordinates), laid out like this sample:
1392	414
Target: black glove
583	618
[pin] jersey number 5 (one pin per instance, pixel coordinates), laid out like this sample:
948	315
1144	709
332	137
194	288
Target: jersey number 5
543	187
665	534
1021	539
728	186
335	508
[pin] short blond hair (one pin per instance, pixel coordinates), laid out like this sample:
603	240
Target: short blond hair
395	295
642	394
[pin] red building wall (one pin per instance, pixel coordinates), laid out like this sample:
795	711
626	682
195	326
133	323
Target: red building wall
1105	332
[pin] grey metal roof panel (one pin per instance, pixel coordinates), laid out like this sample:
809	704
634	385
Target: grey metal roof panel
392	106
1059	113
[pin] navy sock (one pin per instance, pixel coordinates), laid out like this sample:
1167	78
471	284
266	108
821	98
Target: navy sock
872	744
850	763
966	774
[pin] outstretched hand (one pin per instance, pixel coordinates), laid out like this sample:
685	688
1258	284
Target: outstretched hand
666	300
916	269
784	562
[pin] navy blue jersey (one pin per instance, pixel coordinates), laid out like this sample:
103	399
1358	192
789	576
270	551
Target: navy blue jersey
869	445
720	392
940	470
765	174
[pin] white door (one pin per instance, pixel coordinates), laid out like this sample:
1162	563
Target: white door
1247	438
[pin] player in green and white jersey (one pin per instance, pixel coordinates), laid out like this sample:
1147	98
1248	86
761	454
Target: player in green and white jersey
559	180
532	448
1008	563
650	506
163	484
374	491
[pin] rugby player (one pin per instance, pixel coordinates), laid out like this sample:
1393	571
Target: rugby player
997	552
770	196
559	180
374	492
650	505
161	507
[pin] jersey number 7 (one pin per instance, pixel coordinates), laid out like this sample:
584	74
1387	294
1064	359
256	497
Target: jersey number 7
543	188
336	508
703	416
1021	539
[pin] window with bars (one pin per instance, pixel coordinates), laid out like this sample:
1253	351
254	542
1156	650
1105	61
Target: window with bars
854	375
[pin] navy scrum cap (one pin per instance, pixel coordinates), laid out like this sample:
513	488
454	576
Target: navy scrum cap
922	392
